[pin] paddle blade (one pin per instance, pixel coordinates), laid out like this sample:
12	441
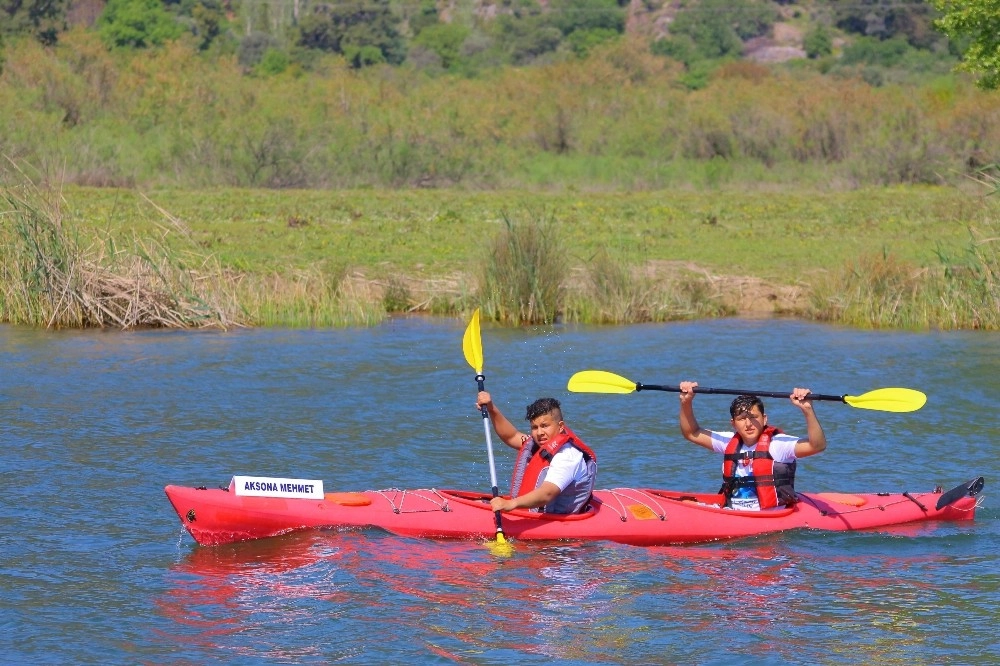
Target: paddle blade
599	381
472	344
501	547
888	400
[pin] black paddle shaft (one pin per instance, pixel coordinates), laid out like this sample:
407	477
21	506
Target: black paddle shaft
766	394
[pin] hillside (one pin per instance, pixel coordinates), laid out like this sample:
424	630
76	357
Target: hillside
468	36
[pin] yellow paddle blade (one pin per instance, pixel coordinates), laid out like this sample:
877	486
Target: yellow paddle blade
888	400
472	344
501	547
599	381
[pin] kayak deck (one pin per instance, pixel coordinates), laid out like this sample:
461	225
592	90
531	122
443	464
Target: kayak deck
636	516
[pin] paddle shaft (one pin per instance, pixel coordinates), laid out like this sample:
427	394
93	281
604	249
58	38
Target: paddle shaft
766	394
481	381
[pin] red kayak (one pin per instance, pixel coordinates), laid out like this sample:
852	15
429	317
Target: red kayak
636	516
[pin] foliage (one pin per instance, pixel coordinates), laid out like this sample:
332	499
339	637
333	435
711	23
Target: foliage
136	24
873	51
366	32
55	275
978	22
253	47
445	40
44	19
523	272
526	34
710	30
571	16
818	42
273	62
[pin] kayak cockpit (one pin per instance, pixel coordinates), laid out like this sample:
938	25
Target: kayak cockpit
482	501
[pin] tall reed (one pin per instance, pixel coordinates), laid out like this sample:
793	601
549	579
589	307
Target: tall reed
609	291
52	276
307	299
959	292
521	279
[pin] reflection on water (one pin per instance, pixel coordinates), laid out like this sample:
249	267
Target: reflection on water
349	596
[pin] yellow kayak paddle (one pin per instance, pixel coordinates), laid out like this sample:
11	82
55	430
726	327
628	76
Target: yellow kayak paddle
472	346
883	400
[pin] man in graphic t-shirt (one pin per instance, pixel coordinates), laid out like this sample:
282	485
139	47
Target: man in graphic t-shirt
758	468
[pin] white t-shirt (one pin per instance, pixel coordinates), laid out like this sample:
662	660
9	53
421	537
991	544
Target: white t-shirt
566	466
782	449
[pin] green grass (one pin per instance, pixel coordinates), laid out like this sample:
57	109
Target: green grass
783	236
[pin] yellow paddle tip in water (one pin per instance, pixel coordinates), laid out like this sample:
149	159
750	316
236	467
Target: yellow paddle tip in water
501	547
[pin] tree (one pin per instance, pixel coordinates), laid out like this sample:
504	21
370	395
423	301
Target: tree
444	39
977	21
717	28
45	19
364	31
137	24
818	43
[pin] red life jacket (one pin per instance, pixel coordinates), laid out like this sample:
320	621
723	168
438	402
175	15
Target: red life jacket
774	482
534	458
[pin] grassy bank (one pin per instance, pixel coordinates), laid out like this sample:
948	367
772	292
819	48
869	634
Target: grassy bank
888	257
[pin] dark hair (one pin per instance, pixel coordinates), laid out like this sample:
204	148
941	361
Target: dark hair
543	406
745	403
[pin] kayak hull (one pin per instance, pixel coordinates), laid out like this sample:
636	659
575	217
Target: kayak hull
635	516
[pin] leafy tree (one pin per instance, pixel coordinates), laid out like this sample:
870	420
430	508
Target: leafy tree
572	15
273	62
44	19
524	36
209	19
872	51
426	16
681	48
364	31
717	28
977	21
253	47
444	39
583	41
818	43
885	19
136	24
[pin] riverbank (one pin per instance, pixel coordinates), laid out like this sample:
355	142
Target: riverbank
901	257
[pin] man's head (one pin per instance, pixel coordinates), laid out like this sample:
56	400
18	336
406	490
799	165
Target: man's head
748	418
546	419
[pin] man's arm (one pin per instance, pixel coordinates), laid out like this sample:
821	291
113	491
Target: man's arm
540	496
689	424
815	439
501	424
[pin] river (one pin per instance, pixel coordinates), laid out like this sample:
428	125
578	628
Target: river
97	569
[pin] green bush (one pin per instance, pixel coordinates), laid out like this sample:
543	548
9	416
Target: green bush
136	24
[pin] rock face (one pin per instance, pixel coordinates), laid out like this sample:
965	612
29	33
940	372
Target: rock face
767	54
785	43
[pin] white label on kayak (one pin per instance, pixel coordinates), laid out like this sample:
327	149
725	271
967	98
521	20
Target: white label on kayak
266	486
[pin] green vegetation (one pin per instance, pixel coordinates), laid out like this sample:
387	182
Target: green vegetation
976	24
896	257
54	275
330	164
622	119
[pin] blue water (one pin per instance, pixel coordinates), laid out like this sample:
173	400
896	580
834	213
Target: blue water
96	568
